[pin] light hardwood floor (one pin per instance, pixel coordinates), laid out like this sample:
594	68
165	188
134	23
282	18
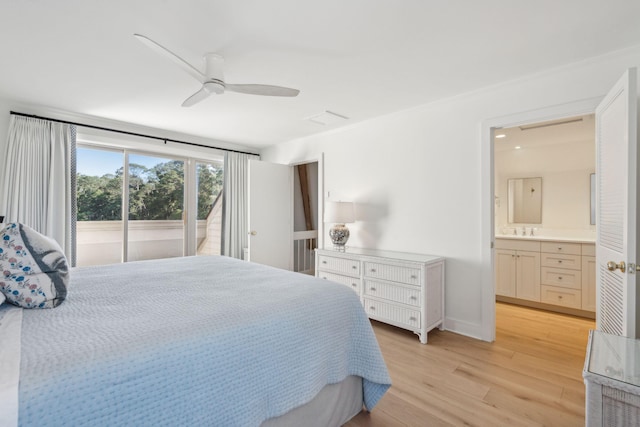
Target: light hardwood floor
530	376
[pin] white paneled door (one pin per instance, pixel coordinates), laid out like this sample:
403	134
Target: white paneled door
270	214
616	164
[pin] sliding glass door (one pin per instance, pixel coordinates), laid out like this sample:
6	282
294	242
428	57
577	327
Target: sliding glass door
99	226
156	207
209	207
134	206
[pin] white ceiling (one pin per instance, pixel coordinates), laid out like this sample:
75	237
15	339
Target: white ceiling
357	58
561	131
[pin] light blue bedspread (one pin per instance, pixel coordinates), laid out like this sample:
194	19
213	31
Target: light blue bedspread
191	341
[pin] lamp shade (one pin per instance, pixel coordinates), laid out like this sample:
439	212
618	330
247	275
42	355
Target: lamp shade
339	212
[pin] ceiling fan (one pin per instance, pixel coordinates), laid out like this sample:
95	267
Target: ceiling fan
212	79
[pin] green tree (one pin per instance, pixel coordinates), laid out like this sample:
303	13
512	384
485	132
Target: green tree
209	186
99	198
155	193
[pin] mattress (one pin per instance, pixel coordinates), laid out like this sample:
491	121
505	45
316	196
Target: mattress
192	341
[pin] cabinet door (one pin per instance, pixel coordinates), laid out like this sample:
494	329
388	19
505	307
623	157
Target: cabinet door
505	272
589	283
528	275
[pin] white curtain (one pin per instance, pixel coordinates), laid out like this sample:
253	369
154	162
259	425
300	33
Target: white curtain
38	173
235	213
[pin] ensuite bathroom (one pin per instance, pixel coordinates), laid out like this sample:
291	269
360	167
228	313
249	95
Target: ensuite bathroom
545	215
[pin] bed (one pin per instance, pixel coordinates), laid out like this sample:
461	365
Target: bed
190	341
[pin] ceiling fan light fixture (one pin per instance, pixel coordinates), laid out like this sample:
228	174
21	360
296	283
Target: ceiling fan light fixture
214	87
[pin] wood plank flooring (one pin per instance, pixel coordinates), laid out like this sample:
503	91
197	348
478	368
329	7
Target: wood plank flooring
530	376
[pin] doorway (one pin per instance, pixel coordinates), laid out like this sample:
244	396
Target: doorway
544	233
305	217
488	190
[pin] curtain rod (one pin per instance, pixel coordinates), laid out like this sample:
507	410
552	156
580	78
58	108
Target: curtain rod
33	116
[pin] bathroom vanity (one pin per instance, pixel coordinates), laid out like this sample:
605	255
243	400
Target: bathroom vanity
544	272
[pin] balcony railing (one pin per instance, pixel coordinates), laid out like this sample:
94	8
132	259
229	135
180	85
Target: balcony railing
304	243
100	242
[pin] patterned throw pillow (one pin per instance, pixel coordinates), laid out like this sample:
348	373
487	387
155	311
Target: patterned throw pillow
33	269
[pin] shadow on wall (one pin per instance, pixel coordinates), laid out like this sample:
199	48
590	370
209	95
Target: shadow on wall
371	218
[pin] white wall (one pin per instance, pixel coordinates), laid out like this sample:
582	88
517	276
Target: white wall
565	171
416	175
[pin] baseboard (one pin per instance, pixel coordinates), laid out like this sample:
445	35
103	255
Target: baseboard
547	307
462	327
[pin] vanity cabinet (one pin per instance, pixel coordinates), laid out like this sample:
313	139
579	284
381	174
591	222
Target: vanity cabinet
588	277
402	289
561	274
518	269
550	272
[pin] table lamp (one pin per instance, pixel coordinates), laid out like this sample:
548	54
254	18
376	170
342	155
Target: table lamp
339	213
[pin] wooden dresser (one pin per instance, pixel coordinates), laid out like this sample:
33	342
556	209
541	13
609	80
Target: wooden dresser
402	289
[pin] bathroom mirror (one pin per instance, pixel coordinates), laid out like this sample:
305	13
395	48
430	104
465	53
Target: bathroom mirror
593	199
524	197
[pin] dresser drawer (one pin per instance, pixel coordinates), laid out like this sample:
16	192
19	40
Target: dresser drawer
392	273
401	294
392	313
573	262
518	244
561	248
561	296
561	277
352	282
340	265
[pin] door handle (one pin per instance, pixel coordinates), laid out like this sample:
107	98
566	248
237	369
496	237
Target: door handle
253	233
611	266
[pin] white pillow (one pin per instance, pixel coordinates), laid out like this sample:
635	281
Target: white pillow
33	269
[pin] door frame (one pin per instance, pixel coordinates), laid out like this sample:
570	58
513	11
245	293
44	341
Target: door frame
487	191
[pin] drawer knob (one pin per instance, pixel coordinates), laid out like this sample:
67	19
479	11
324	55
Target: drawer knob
559	248
324	262
559	296
559	261
373	270
354	285
353	267
413	297
412	318
373	289
413	276
372	308
559	277
324	277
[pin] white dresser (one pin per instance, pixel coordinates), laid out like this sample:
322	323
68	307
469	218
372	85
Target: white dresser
402	289
612	379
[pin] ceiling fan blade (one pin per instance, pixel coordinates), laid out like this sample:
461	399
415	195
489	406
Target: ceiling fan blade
266	90
172	56
196	97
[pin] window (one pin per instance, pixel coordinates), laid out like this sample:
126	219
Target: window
155	190
209	202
